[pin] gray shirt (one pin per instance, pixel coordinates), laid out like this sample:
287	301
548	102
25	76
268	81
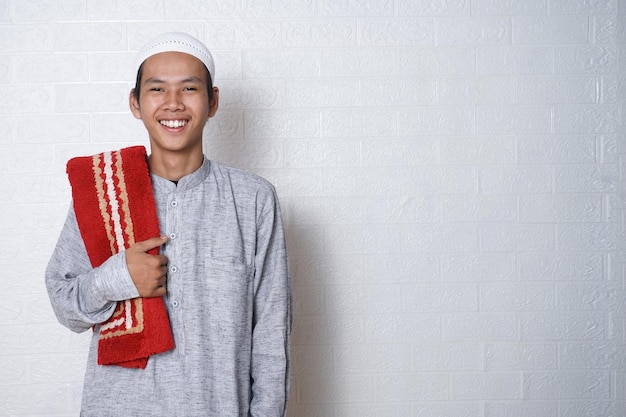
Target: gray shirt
228	300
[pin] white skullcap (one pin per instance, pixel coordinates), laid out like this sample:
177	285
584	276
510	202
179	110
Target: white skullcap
177	42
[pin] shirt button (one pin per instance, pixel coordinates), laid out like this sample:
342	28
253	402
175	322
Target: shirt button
174	203
175	303
173	269
172	235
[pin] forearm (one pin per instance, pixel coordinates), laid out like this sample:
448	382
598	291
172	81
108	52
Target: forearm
82	296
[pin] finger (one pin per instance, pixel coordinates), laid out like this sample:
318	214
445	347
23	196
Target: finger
149	244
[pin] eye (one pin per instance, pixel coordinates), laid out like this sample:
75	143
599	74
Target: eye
190	88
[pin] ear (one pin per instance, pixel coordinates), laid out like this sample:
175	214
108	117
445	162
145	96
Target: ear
215	102
134	104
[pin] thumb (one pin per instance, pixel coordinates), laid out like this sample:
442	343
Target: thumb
149	244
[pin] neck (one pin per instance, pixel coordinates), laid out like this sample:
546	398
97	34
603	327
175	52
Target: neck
174	166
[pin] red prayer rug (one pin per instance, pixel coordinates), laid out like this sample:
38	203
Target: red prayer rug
115	208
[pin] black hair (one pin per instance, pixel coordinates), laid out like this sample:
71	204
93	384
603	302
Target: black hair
140	73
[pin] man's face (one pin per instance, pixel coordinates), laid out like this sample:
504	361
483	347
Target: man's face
174	103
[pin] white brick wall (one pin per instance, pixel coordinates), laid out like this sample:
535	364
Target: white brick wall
452	174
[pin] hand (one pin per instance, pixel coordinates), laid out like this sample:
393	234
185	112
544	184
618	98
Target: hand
147	271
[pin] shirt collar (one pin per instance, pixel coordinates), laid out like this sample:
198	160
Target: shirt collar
189	181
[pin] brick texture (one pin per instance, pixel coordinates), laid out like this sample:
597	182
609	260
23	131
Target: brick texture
452	175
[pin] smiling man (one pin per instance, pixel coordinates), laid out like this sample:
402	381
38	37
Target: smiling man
221	271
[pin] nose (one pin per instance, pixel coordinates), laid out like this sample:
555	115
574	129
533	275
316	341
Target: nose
173	100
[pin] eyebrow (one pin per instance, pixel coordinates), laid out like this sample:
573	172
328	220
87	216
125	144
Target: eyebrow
191	79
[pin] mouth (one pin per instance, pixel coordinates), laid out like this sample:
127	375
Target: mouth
173	124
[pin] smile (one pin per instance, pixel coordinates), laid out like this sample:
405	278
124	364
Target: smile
174	124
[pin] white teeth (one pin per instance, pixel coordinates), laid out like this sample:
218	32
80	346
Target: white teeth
174	124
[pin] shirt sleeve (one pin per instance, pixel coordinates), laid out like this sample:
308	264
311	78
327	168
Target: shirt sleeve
272	315
82	296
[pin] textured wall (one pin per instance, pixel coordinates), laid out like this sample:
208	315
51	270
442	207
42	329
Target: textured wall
451	171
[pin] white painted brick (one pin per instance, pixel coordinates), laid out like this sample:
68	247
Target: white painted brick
406	209
423	386
585	178
334	388
402	328
567	385
536	296
435	121
557	89
593	408
479	150
588	237
513	356
48	10
398	92
396	32
439	238
321	154
478	267
433	8
461	208
515	179
398	152
113	10
52	129
184	9
112	67
96	97
23	99
439	298
532	30
509	119
557	149
409	141
560	208
279	8
476	90
250	95
226	125
514	60
322	93
141	31
323	271
250	154
439	61
393	269
282	124
446	357
373	358
318	33
343	8
479	326
554	326
505	8
599	118
521	409
50	68
447	408
517	237
583	7
42	399
275	63
585	59
591	355
354	62
109	36
357	123
474	31
491	386
372	410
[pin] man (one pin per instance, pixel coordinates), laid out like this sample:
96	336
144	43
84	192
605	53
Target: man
222	269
